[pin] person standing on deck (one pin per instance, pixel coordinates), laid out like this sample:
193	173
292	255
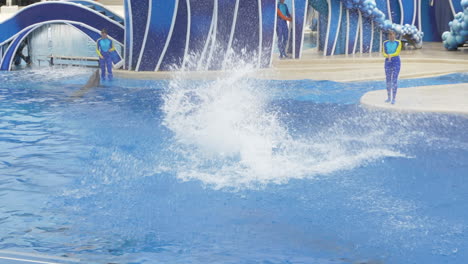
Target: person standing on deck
391	52
282	30
104	47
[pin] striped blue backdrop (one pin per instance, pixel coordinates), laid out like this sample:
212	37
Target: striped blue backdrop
204	34
344	31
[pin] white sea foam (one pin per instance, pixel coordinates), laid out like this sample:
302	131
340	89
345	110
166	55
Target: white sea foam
227	137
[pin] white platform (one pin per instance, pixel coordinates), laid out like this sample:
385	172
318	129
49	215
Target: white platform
449	99
9	9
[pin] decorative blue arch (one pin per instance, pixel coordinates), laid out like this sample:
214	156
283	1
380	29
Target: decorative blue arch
83	15
9	55
58	11
101	9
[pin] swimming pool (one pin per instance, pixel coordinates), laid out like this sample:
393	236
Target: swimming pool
231	170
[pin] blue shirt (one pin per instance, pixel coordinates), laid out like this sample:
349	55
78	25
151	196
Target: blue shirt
284	9
104	45
391	48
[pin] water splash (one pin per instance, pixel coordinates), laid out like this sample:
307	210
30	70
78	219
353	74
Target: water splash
228	136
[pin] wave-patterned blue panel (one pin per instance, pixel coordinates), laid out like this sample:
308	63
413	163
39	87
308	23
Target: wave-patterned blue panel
323	17
224	26
128	36
201	16
353	30
246	38
157	34
457	5
202	34
366	34
174	54
395	8
429	26
300	9
333	25
268	9
409	11
341	40
137	29
376	40
444	15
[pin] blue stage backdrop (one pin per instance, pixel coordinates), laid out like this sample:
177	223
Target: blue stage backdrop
201	20
360	26
204	34
223	24
162	35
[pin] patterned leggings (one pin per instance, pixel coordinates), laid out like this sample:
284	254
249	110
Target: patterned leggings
392	70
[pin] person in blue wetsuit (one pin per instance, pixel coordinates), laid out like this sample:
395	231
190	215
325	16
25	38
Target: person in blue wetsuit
104	47
282	30
391	51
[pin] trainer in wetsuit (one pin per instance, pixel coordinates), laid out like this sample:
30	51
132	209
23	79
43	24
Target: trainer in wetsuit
104	47
282	30
391	51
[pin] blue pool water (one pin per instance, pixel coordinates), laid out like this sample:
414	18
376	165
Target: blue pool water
231	170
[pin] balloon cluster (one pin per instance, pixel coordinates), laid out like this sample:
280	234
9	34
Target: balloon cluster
369	9
458	33
410	32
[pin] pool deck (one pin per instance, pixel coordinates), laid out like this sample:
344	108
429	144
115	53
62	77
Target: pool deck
431	60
